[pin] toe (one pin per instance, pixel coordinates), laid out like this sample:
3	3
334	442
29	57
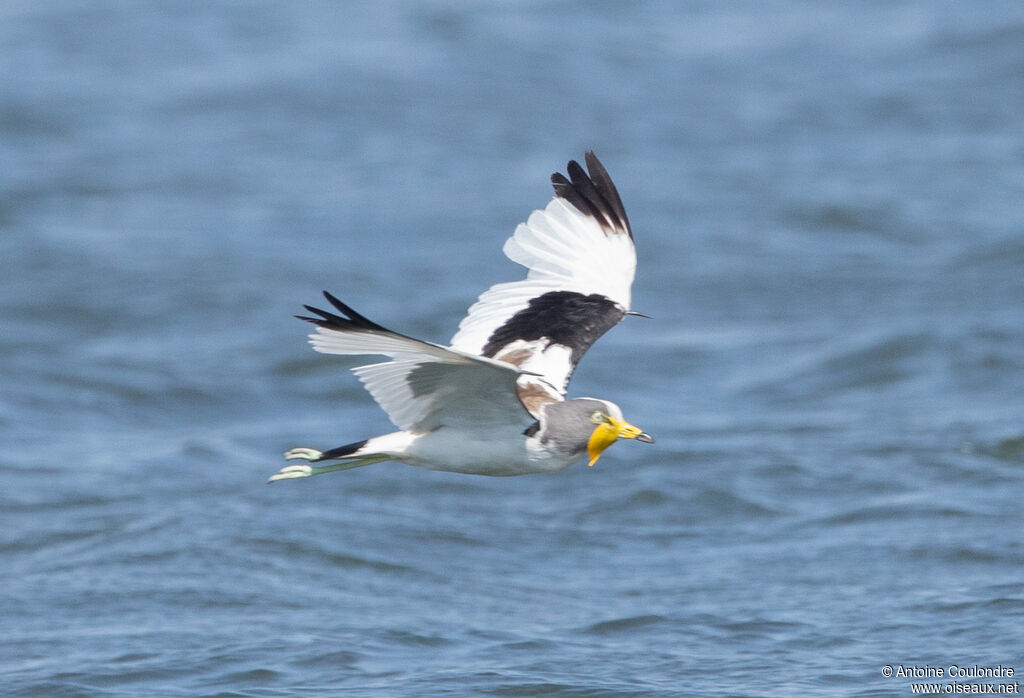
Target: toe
303	454
292	471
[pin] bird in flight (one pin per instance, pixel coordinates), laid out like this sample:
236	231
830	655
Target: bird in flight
493	402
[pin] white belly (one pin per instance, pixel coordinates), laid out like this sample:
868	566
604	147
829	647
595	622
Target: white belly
498	452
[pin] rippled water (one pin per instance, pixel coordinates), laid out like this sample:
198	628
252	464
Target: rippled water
827	205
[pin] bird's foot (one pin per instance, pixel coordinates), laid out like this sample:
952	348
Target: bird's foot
303	454
292	471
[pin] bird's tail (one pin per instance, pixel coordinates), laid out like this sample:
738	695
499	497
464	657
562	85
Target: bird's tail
354	455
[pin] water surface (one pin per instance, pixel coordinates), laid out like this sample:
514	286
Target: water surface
826	200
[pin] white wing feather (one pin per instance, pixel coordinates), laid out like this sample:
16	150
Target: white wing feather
427	386
564	250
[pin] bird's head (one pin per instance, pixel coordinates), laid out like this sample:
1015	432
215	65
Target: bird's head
609	427
594	425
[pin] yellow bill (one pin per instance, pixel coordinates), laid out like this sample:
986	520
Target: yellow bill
608	432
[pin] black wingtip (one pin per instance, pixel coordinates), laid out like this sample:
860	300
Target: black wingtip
593	193
348	320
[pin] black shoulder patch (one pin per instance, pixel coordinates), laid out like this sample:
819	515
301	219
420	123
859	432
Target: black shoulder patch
594	195
341	451
563	317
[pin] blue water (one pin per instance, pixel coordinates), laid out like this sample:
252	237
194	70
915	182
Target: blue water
827	201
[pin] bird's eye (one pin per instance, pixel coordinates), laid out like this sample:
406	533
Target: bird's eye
598	418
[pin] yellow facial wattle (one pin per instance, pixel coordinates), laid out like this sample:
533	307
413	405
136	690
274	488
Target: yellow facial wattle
607	432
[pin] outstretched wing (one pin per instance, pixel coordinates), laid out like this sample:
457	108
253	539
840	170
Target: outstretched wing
424	386
581	261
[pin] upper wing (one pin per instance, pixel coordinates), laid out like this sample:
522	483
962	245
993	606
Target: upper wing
425	386
581	261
